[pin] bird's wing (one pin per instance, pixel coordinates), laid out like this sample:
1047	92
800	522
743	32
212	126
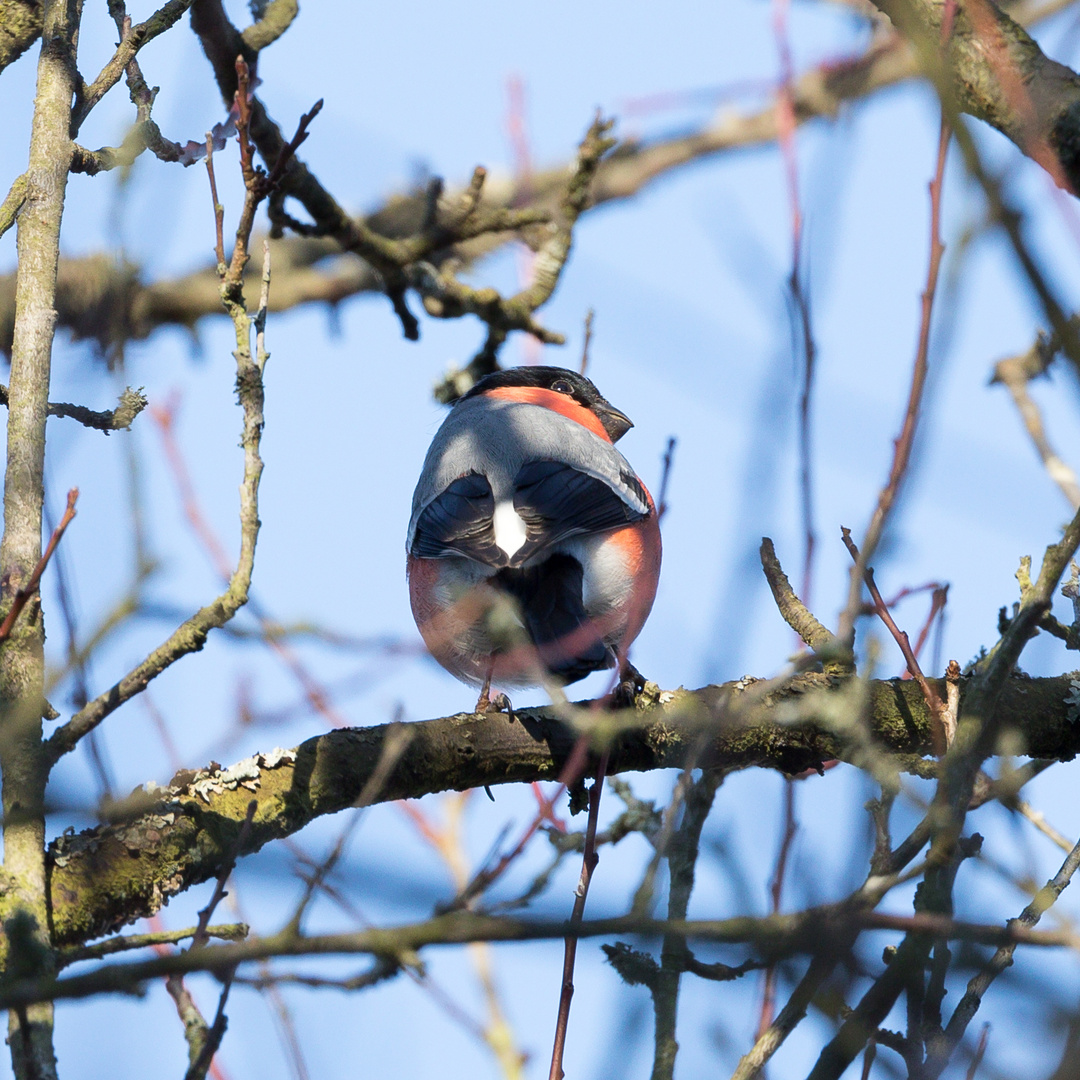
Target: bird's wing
556	500
458	521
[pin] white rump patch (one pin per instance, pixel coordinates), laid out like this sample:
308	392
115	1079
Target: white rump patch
509	528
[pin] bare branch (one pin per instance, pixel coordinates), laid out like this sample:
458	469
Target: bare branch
132	402
1015	372
809	931
13	203
20	27
128	942
276	19
940	1051
162	19
796	615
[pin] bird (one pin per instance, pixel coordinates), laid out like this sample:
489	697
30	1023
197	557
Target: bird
533	548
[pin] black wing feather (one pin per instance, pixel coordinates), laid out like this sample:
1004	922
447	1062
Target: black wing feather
550	598
555	500
459	522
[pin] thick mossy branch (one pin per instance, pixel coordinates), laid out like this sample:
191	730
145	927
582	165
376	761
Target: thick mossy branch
181	835
20	27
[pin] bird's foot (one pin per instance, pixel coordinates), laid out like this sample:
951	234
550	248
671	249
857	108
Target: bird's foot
631	683
488	703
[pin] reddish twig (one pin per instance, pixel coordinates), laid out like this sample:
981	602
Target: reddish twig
314	693
768	997
546	808
28	590
914	590
588	865
905	441
933	702
165	418
257	183
937	605
571	772
980	1050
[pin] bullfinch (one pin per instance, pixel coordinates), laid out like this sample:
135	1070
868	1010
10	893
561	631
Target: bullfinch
533	547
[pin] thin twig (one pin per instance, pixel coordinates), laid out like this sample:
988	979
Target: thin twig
905	441
801	328
940	1050
202	933
219	210
110	75
933	701
1038	819
127	942
588	865
797	615
192	634
768	995
28	590
1015	372
665	477
980	1050
132	402
13	202
587	342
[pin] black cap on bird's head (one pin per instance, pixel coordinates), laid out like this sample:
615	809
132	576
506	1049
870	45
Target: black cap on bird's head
562	381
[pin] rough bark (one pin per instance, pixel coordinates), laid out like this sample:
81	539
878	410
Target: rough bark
178	836
999	74
22	761
20	27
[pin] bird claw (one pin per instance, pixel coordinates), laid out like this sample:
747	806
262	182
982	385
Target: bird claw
631	683
488	703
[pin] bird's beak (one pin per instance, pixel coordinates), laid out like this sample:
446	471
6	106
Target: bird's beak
616	423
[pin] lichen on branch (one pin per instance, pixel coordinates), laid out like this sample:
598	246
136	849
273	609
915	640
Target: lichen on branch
174	837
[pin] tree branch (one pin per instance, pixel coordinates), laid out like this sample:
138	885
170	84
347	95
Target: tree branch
97	298
162	19
811	931
132	402
998	74
172	838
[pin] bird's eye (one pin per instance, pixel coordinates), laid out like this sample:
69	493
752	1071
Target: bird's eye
562	386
